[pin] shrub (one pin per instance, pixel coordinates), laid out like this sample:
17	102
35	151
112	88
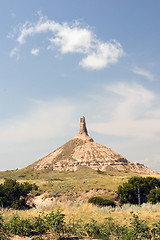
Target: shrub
2	234
139	228
156	230
13	194
19	226
39	225
52	222
154	196
53	226
55	223
92	229
137	189
101	201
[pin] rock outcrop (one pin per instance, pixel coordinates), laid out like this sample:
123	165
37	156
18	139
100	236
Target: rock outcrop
83	151
83	133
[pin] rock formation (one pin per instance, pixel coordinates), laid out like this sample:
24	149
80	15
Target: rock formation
83	151
83	133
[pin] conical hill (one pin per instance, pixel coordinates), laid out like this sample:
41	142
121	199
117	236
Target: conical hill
83	151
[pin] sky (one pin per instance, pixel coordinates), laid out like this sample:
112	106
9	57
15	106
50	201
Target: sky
61	60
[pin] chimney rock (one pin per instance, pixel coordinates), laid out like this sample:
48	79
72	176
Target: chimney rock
83	134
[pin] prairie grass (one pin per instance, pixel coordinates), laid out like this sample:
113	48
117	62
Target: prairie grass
75	211
70	183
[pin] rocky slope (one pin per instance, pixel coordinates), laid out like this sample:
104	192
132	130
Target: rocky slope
83	151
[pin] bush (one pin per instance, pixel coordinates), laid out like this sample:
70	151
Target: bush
18	226
55	223
53	226
139	228
101	201
2	234
52	222
13	194
137	190
39	225
154	196
156	230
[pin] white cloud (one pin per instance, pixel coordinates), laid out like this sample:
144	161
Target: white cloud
104	54
126	117
124	110
35	51
42	26
133	115
14	52
144	73
72	38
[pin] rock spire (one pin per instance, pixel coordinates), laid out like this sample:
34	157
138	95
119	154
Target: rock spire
83	133
83	128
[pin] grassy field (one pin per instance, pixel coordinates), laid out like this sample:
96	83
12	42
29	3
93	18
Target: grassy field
70	183
117	223
85	182
75	211
74	189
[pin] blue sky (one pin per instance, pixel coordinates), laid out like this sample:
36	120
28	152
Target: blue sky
60	60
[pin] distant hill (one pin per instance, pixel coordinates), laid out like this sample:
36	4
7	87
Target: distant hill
83	151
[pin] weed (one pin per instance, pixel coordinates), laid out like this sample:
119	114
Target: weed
39	225
19	226
140	230
55	223
156	230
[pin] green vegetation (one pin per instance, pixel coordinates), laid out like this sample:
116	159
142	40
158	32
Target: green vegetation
99	201
70	183
70	192
52	222
86	183
54	226
13	194
139	190
154	196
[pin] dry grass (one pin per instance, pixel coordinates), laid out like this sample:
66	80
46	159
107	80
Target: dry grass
70	183
86	212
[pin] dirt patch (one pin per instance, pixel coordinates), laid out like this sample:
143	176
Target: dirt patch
46	199
16	237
